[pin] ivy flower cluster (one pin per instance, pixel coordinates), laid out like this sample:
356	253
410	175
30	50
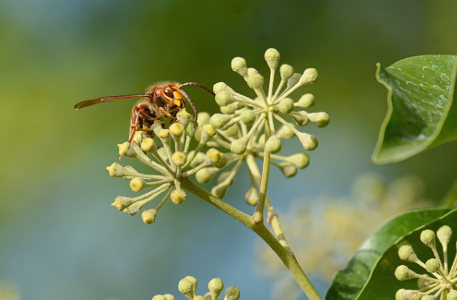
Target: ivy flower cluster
440	279
188	287
249	127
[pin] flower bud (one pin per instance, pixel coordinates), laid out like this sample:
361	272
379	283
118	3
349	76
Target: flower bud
432	265
159	297
187	287
121	202
178	158
163	133
300	160
403	294
229	109
232	131
219	190
177	196
116	170
452	295
136	184
407	253
222	98
203	118
219	120
209	130
247	116
273	144
176	129
308	141
163	154
285	132
272	58
169	297
252	196
261	141
125	149
199	158
293	80
287	169
286	71
305	101
206	174
444	235
321	119
219	87
149	216
239	65
255	81
309	76
428	237
402	273
232	293
215	286
184	117
238	146
147	144
285	105
138	137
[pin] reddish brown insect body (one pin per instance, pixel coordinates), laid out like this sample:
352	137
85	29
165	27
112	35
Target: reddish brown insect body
163	100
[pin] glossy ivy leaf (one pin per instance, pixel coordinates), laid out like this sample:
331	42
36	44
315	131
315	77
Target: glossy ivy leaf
422	108
356	279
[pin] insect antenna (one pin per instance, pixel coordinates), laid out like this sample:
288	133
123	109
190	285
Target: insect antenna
190	102
199	85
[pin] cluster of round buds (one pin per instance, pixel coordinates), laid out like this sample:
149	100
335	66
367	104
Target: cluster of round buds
440	279
252	126
167	152
188	287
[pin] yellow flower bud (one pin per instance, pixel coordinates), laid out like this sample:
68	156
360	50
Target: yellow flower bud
163	133
178	158
136	184
147	144
176	129
177	196
149	216
209	129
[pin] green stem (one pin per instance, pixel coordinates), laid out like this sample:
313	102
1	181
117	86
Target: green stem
286	256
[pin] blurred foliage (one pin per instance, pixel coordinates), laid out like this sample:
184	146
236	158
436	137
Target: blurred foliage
53	190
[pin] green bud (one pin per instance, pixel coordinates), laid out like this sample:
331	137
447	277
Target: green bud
403	294
176	129
163	153
184	117
273	144
203	118
428	297
261	141
252	196
272	58
285	132
149	216
222	98
285	105
159	297
238	146
219	190
228	109
219	120
178	158
286	72
321	119
116	170
255	81
247	116
239	66
232	131
406	252
147	144
187	287
200	157
308	141
206	174
138	137
305	101
169	297
136	184
452	295
309	76
287	169
432	265
218	87
428	237
177	196
444	235
402	273
215	286
300	160
209	130
293	80
232	293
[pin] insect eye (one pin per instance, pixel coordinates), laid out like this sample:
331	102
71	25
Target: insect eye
168	93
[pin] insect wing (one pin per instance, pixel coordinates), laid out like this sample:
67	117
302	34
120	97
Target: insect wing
90	102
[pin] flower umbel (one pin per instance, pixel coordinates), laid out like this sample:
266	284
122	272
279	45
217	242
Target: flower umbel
440	279
188	287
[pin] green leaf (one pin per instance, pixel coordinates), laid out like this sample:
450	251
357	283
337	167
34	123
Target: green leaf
422	112
351	282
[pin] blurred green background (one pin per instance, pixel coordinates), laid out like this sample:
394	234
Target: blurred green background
59	237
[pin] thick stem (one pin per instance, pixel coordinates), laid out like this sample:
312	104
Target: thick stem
286	256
